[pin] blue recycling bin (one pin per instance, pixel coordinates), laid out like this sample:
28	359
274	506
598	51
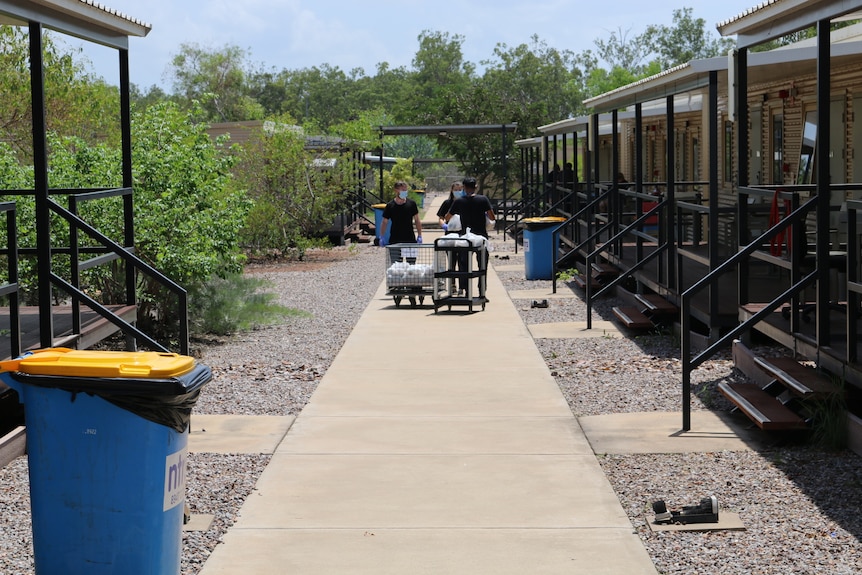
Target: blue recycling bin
107	436
378	221
540	249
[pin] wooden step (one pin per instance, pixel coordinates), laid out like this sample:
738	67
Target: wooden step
633	318
767	412
604	271
581	281
657	305
802	380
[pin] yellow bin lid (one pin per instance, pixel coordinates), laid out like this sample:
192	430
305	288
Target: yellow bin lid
378	206
93	363
544	220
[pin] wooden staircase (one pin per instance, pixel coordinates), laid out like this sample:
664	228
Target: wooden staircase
781	386
360	231
651	311
599	276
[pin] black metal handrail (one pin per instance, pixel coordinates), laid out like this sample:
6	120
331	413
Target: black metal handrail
854	285
529	208
134	265
689	363
11	289
633	228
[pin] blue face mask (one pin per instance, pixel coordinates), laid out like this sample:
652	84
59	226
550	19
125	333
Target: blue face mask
402	194
460	193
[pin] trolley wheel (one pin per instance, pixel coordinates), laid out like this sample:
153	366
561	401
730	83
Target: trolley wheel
412	301
397	299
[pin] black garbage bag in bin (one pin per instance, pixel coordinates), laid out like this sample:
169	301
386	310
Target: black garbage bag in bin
164	401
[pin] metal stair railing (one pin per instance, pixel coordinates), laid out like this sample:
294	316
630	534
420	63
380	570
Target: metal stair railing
11	289
530	208
854	285
357	207
112	251
689	363
634	228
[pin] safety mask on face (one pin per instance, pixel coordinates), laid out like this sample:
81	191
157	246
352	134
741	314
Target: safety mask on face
460	193
402	194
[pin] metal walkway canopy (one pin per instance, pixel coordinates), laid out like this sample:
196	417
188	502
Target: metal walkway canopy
449	130
446	130
83	19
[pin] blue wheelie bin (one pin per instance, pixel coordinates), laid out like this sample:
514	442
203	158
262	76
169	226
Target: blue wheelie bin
539	247
378	221
107	436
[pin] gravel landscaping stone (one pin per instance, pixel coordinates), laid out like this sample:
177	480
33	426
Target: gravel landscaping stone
799	503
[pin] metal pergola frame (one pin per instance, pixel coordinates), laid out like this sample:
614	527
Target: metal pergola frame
445	130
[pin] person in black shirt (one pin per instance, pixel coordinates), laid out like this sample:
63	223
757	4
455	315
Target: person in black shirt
473	209
456	190
401	213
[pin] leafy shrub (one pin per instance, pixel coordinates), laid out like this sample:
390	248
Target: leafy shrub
235	303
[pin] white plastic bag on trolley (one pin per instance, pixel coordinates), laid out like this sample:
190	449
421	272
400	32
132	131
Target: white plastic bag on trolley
454	224
475	239
453	240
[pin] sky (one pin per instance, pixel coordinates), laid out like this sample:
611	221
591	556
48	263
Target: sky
349	34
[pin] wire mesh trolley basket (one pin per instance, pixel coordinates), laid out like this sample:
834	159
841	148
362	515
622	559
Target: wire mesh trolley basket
410	272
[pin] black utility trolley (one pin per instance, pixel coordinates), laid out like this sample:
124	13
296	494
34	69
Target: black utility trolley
474	253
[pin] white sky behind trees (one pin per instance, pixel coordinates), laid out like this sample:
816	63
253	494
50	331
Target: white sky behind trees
294	34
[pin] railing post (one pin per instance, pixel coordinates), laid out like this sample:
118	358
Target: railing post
685	356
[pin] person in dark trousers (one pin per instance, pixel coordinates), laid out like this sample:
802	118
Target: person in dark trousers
456	190
473	209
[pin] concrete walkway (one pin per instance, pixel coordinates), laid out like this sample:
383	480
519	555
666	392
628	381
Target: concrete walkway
435	443
441	444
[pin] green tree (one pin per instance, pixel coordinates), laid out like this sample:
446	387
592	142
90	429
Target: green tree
478	154
76	103
153	95
218	79
531	85
188	209
620	51
439	68
187	213
297	192
402	171
686	40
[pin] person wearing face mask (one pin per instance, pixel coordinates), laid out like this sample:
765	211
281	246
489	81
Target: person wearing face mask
456	190
473	209
401	213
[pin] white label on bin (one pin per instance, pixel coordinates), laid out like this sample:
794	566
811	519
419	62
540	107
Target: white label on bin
175	479
526	245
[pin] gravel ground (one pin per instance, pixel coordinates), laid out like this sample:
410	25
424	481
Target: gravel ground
799	503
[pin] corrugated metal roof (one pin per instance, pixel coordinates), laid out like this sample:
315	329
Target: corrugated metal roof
776	18
85	19
746	13
116	13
